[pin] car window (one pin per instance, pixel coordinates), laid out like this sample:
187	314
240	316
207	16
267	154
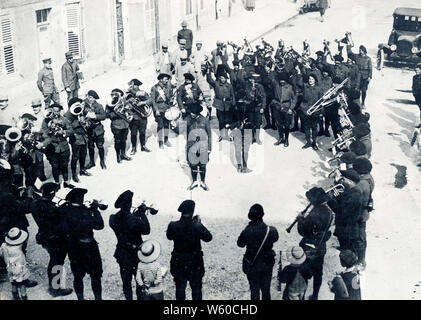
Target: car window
407	23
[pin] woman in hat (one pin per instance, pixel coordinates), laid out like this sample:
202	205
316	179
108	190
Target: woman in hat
150	273
259	259
12	253
295	275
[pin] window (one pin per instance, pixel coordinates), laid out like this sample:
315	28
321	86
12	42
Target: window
7	56
42	15
149	19
189	7
74	34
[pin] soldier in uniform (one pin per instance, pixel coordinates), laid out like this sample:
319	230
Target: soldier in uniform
339	70
314	228
416	88
79	222
129	228
187	35
362	133
267	78
46	85
356	116
224	101
283	108
187	94
56	129
119	127
139	122
311	93
364	66
51	236
96	130
78	141
199	145
69	76
256	98
187	256
161	94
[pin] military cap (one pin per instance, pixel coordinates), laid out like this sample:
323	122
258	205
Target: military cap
69	55
320	53
119	91
199	42
350	174
338	58
236	63
76	195
184	23
28	116
56	105
124	198
73	101
136	82
187	207
358	148
362	166
46	60
283	76
3	98
164	45
363	49
93	94
36	103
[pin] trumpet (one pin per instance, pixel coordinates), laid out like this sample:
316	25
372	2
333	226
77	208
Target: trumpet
342	143
89	204
326	98
336	157
143	208
336	190
56	127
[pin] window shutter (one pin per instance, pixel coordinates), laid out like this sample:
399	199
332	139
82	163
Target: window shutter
74	38
7	61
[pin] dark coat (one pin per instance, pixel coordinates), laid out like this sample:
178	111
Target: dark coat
80	135
48	219
188	94
97	129
187	255
161	97
186	34
252	237
199	140
352	283
128	229
255	96
117	122
284	96
310	96
364	64
416	87
12	213
45	82
59	143
69	75
224	94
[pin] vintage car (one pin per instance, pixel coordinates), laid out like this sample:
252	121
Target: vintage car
404	45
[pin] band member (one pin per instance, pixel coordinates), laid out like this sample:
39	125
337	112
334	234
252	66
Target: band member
267	78
416	88
96	114
314	228
139	123
119	125
364	66
330	113
164	60
70	76
187	94
79	139
187	35
354	75
179	53
359	149
199	145
356	116
183	67
187	256
259	259
338	71
129	228
242	134
311	94
198	56
362	132
283	108
366	185
348	211
56	129
51	236
79	222
46	85
161	94
205	86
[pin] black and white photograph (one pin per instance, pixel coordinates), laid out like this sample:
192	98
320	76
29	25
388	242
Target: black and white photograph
208	150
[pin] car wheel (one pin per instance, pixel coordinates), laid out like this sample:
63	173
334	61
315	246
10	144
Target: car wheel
380	59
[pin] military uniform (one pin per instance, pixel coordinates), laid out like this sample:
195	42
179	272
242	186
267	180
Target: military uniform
139	123
47	86
161	98
416	90
365	67
188	94
96	133
120	130
283	110
255	96
310	96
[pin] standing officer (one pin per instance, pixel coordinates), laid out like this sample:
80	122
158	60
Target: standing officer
187	94
51	236
129	228
259	259
161	94
78	141
69	76
139	123
96	130
56	129
283	108
187	256
187	35
79	222
311	93
255	96
364	66
46	84
267	78
416	88
314	228
199	145
119	126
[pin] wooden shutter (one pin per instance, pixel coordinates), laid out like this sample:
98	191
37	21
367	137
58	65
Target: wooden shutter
7	59
74	36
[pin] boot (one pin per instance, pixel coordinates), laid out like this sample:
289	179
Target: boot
124	157
83	172
75	177
15	296
68	185
133	152
145	149
103	166
327	133
314	146
118	158
204	186
239	168
307	145
161	145
220	139
279	142
286	144
90	165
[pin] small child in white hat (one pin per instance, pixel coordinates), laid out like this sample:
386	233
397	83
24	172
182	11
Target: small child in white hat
17	269
149	271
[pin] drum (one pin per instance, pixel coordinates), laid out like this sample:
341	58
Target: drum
173	114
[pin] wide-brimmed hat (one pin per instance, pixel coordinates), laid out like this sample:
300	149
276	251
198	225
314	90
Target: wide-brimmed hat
195	108
76	195
187	207
361	130
149	251
136	82
316	195
16	236
125	197
119	91
93	94
189	76
338	58
69	55
56	105
296	255
163	75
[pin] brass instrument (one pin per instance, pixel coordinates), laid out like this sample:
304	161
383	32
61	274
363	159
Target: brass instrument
56	127
89	204
80	110
326	49
139	106
342	142
144	208
23	124
30	140
326	98
336	190
5	164
13	134
121	108
49	114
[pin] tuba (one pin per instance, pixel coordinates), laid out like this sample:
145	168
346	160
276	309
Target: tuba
120	106
13	134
